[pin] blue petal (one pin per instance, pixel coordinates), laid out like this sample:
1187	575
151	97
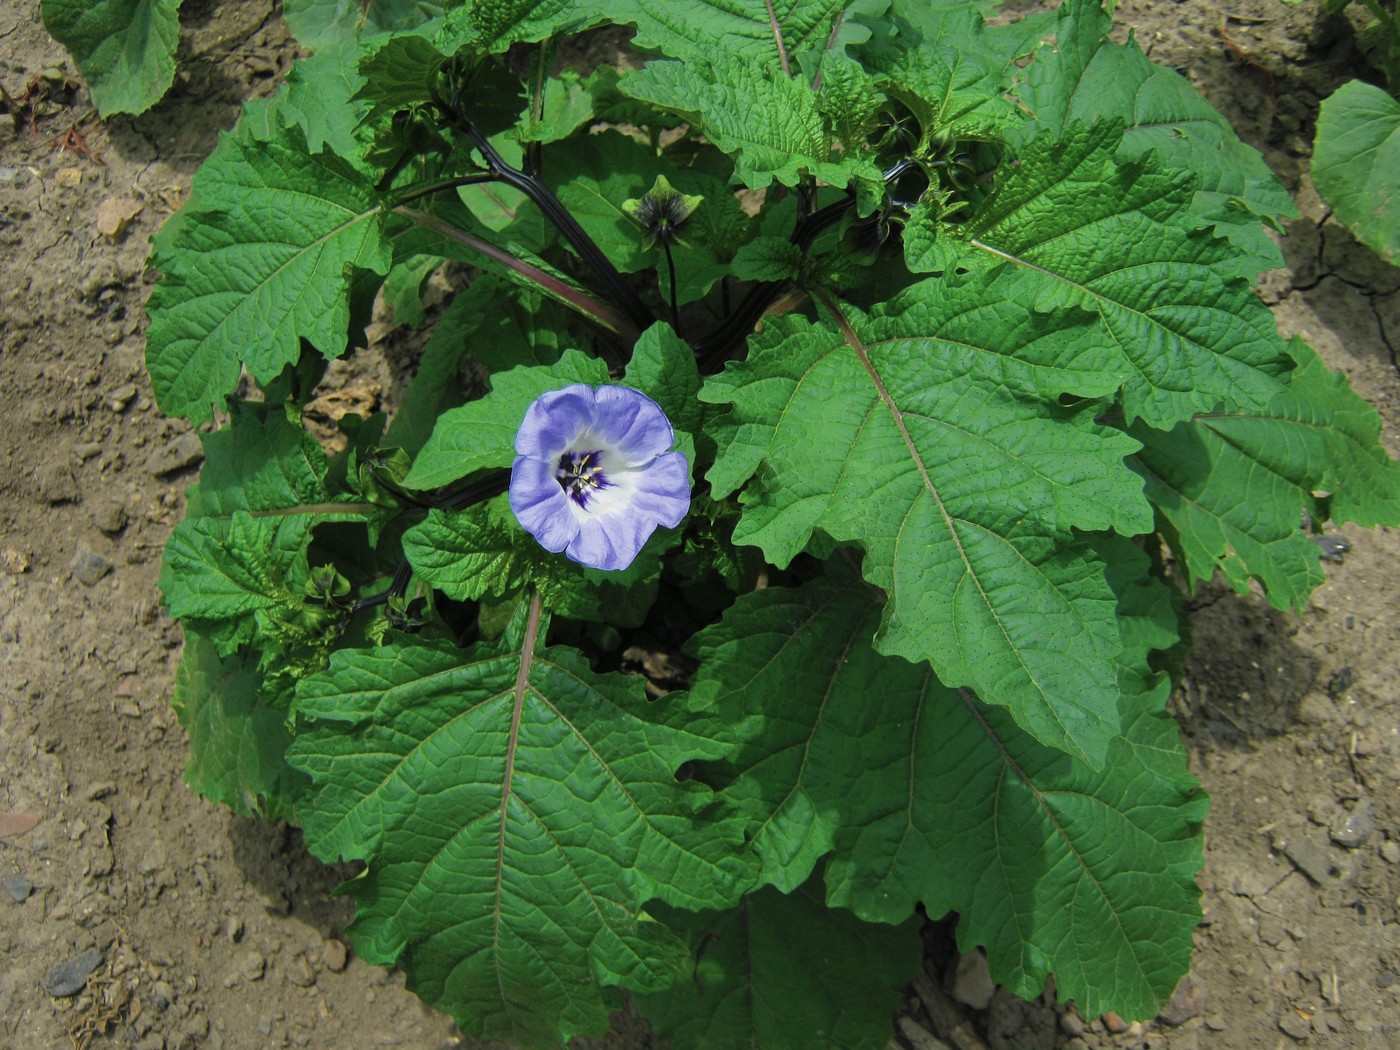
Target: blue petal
662	490
553	420
610	543
632	423
540	504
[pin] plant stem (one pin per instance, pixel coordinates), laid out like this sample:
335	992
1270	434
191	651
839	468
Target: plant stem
619	290
671	269
600	313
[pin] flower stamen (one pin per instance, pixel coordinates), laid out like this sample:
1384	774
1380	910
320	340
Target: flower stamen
580	474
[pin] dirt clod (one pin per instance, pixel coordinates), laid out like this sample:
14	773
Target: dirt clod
180	454
335	956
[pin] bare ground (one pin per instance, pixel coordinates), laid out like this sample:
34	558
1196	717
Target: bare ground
220	932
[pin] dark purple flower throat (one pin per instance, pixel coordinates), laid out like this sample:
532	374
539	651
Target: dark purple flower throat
580	473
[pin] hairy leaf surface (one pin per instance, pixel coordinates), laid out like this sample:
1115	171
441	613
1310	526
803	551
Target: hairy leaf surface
460	778
1114	237
963	496
1233	486
258	259
770	122
237	565
921	794
1087	77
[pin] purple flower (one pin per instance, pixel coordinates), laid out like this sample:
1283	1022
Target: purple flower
594	474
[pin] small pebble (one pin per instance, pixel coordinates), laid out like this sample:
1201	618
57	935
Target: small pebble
233	928
1317	709
18	887
972	981
1184	1004
89	567
1359	825
110	516
70	977
1332	548
1310	858
185	451
252	965
335	956
1294	1025
162	995
119	398
1390	852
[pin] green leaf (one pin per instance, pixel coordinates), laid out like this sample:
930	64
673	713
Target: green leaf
962	495
1233	486
260	259
753	32
481	434
460	777
1084	228
492	26
925	796
483	552
663	367
604	171
125	49
238	737
486	322
326	23
1354	164
320	98
1089	78
237	565
784	972
769	122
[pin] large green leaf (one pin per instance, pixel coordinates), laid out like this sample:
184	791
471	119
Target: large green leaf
1355	163
962	495
1117	237
1087	77
1233	486
259	259
238	736
515	811
125	49
923	795
785	972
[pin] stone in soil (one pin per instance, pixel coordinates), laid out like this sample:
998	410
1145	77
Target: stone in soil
89	567
1184	1004
70	976
184	451
335	956
18	887
1359	825
1294	1024
972	982
1311	858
